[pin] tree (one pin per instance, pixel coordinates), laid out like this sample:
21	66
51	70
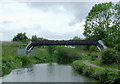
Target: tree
35	38
81	47
20	37
102	23
76	38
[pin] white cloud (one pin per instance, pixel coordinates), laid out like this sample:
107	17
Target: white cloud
19	17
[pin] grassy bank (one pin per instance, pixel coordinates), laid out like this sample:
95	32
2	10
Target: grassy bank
102	66
111	66
107	76
11	60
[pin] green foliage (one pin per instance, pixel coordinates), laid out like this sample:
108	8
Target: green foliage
109	77
76	38
42	55
26	60
117	47
35	38
20	37
40	60
99	63
51	49
9	63
106	76
93	48
108	56
98	23
66	55
93	52
94	55
10	59
81	47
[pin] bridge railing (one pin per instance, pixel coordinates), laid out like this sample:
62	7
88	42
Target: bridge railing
31	44
69	42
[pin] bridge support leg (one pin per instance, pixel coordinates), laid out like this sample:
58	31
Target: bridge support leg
101	45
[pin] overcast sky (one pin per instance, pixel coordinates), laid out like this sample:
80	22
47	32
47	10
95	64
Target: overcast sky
51	20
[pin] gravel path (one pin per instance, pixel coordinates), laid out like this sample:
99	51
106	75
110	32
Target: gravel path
89	64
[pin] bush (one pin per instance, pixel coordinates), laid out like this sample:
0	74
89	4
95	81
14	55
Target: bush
109	77
93	48
51	50
94	56
117	47
118	58
66	55
26	60
108	56
9	63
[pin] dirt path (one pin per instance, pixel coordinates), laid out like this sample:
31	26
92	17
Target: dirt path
89	64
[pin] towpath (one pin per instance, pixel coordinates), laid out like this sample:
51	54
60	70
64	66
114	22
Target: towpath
89	64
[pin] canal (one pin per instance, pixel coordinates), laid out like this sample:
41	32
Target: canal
46	72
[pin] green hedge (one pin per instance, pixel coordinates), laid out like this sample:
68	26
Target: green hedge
108	56
103	75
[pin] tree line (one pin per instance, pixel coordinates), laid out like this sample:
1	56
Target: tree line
21	37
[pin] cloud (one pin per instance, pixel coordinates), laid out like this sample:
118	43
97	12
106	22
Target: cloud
78	10
52	22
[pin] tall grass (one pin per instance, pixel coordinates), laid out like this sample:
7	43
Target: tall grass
66	55
11	60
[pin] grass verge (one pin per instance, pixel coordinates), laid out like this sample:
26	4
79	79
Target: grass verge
103	75
10	59
111	66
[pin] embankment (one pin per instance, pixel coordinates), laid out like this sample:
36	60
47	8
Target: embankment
102	74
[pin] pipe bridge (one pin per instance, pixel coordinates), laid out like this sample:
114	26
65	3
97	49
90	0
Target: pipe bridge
100	45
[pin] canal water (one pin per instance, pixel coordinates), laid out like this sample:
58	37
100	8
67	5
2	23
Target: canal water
46	72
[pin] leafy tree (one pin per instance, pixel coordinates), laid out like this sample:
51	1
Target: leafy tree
81	47
76	38
34	38
20	37
102	23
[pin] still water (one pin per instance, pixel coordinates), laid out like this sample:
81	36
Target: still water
46	72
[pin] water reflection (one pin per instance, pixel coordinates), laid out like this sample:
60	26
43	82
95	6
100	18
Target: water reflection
46	72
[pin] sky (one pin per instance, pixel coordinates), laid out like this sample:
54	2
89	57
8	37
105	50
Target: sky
50	20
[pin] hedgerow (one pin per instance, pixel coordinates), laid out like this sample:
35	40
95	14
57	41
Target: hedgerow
103	75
